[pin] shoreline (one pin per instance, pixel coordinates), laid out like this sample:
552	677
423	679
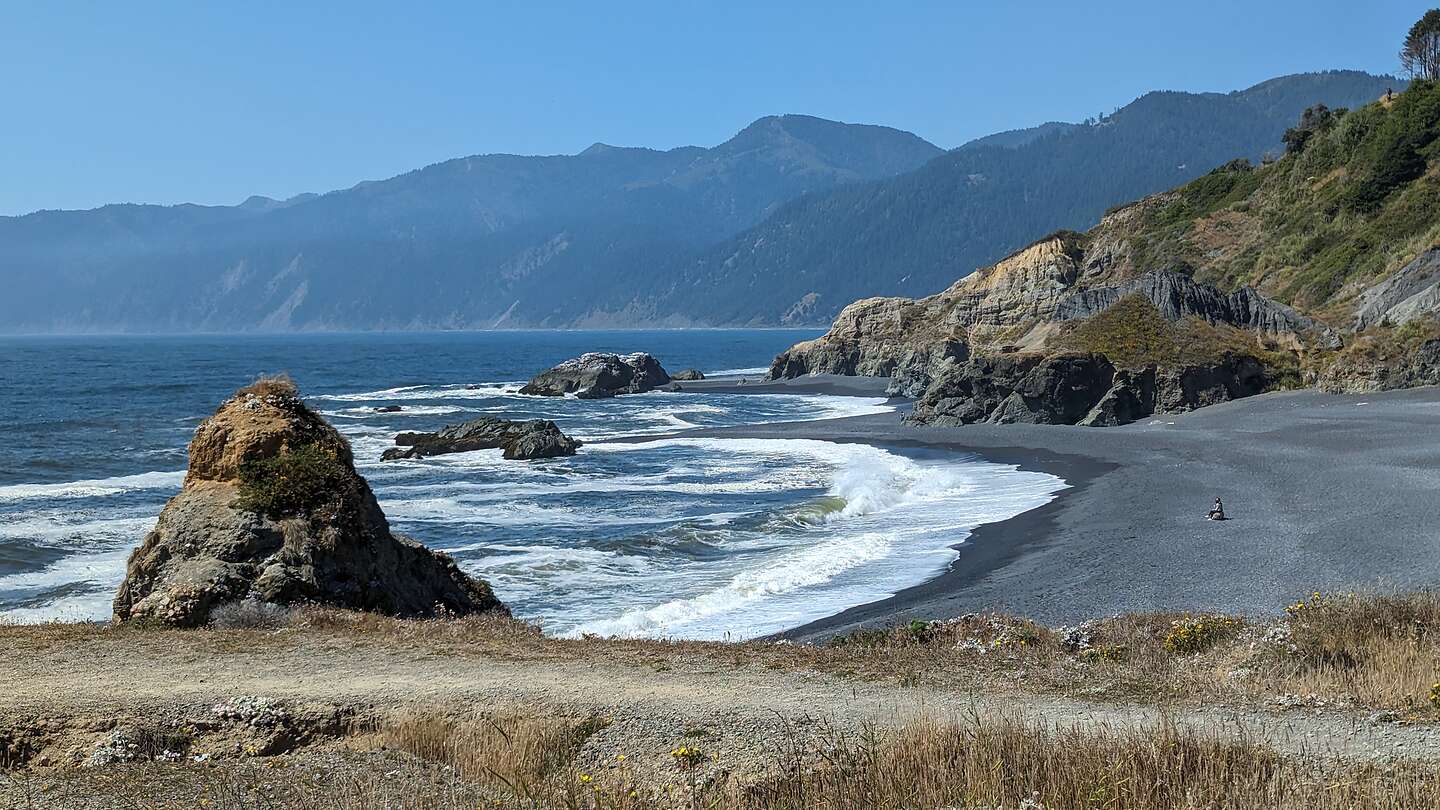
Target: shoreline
1307	476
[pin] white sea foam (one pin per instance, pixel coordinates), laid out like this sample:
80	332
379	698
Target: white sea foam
419	392
738	372
91	488
807	567
98	572
748	561
900	520
369	412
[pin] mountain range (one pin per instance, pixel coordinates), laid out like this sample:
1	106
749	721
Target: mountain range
1318	269
783	224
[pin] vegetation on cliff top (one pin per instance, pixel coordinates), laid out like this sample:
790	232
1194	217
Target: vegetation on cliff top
1356	196
293	482
1133	334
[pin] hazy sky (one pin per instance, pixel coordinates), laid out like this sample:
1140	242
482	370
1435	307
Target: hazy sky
212	102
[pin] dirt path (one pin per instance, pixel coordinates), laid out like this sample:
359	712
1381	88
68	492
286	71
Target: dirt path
171	675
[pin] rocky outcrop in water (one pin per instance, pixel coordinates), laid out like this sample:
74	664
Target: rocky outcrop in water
273	511
688	375
598	375
537	438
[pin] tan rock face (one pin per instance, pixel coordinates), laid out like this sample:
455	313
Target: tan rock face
211	546
1020	308
252	426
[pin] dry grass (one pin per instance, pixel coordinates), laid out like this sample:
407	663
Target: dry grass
1133	334
526	756
927	764
271	385
1020	765
1361	651
1378	651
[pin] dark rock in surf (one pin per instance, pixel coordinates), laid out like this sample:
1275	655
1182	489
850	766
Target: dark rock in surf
688	375
537	438
598	375
388	409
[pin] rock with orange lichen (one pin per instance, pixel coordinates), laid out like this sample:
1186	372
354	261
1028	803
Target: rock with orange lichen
273	511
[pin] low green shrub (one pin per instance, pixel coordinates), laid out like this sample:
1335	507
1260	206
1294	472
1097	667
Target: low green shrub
293	481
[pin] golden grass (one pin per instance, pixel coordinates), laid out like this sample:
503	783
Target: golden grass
279	385
1361	651
527	756
1020	765
926	764
1133	334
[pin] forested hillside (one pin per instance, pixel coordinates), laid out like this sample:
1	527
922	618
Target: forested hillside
918	233
785	223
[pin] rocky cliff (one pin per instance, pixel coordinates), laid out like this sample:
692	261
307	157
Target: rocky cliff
1321	268
272	510
1006	344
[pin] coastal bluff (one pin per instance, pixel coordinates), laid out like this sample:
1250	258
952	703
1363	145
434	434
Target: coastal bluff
272	510
1059	333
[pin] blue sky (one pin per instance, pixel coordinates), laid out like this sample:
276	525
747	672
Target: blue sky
210	102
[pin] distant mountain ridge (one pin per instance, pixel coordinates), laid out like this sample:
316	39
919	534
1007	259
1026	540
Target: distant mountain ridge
784	223
455	244
917	233
1319	269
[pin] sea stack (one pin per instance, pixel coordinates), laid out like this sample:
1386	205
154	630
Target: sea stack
272	510
597	375
535	439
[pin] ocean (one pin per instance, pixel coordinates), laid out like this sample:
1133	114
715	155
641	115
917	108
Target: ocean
683	538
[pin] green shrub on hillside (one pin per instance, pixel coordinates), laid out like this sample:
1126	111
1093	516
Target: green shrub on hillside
1399	150
292	482
1358	198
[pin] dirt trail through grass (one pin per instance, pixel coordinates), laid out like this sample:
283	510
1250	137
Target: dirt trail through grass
98	678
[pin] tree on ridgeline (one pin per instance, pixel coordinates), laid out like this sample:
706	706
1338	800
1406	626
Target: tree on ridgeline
1420	58
1314	121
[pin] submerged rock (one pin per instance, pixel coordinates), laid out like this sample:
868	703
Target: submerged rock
273	511
537	438
597	375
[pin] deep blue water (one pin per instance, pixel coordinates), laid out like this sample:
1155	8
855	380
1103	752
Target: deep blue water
700	538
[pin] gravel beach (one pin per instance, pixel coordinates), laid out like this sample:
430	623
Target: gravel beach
1324	492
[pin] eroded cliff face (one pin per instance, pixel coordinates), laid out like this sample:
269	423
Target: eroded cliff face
1080	390
997	346
272	510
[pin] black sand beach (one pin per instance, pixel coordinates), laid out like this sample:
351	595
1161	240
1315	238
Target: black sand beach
1325	492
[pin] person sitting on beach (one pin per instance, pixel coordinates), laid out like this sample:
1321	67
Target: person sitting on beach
1217	512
